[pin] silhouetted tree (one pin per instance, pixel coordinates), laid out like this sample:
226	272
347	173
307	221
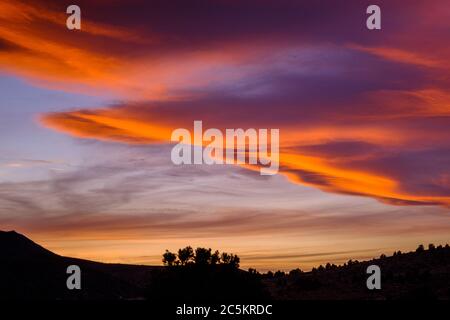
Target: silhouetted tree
383	256
169	258
204	281
420	248
253	271
279	274
295	272
225	258
234	261
215	257
185	255
202	256
431	247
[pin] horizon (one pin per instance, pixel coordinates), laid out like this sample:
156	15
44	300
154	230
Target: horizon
382	256
86	118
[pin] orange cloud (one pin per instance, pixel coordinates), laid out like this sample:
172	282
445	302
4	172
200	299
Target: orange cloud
396	112
103	58
404	56
105	125
322	170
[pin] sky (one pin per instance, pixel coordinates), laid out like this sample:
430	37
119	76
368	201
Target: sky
364	116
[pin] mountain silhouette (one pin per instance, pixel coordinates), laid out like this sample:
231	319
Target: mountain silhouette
29	271
17	247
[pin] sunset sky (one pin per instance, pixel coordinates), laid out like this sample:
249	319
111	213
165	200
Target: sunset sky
364	117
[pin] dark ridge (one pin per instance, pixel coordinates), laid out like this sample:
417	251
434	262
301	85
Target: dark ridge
15	246
31	272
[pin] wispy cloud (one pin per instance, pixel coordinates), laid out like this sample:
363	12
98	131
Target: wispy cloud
331	86
359	113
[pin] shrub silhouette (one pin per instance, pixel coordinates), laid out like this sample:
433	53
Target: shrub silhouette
279	274
253	271
420	248
295	272
169	258
185	255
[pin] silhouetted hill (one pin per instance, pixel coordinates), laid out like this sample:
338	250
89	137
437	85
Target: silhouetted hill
207	283
424	274
16	247
28	271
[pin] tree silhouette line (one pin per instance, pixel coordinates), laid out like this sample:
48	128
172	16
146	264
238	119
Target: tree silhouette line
417	274
209	276
200	257
420	274
203	256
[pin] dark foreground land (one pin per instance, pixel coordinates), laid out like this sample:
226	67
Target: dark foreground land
414	275
28	271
